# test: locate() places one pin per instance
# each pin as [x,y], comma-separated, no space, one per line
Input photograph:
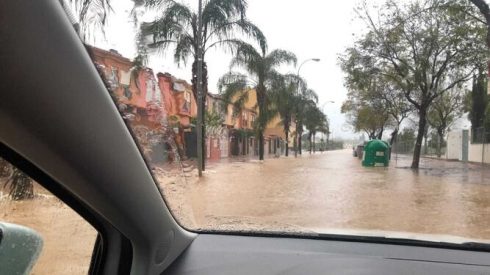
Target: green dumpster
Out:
[376,153]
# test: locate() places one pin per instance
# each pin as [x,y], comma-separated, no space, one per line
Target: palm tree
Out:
[306,97]
[288,100]
[261,76]
[223,21]
[91,15]
[315,121]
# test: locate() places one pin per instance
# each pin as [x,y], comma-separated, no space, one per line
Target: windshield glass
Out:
[355,117]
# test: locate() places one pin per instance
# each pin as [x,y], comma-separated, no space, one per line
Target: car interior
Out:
[60,126]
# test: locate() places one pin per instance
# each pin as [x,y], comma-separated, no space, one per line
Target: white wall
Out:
[475,152]
[455,145]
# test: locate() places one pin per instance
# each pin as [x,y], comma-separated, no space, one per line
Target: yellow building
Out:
[275,128]
[242,138]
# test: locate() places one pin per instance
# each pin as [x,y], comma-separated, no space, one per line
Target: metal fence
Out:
[480,135]
[427,149]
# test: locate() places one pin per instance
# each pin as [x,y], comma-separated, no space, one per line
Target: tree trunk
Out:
[300,139]
[295,143]
[309,139]
[440,135]
[261,145]
[203,109]
[485,10]
[262,121]
[420,137]
[287,120]
[394,136]
[372,135]
[287,142]
[20,186]
[5,168]
[203,106]
[314,142]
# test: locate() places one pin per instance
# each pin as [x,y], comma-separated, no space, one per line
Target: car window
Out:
[68,239]
[360,117]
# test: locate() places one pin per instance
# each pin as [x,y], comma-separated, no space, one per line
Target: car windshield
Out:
[366,118]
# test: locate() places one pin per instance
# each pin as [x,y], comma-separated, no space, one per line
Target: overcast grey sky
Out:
[309,28]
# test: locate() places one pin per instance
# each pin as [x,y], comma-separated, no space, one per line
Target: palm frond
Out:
[247,57]
[92,16]
[233,88]
[280,57]
[228,29]
[165,27]
[274,79]
[232,83]
[215,9]
[183,49]
[178,12]
[310,95]
[95,9]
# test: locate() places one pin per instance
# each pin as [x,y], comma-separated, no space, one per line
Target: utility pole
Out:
[200,140]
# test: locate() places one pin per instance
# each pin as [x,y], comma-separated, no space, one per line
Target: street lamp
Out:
[326,102]
[296,140]
[307,60]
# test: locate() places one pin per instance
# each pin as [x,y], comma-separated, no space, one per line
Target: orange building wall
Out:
[175,100]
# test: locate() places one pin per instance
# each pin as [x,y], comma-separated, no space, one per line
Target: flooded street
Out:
[65,234]
[332,191]
[320,193]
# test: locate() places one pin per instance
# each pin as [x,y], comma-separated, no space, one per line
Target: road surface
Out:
[332,191]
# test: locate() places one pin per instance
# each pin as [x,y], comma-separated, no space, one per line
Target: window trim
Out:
[105,231]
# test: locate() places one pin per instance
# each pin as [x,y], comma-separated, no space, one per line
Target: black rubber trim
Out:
[96,261]
[100,253]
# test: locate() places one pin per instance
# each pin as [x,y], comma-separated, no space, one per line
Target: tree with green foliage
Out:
[304,97]
[315,121]
[366,118]
[485,11]
[283,97]
[406,140]
[425,47]
[224,22]
[261,76]
[371,93]
[478,100]
[288,100]
[214,123]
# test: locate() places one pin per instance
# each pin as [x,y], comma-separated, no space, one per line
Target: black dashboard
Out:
[225,254]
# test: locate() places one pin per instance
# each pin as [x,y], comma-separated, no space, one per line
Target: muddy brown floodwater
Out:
[68,240]
[332,191]
[323,193]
